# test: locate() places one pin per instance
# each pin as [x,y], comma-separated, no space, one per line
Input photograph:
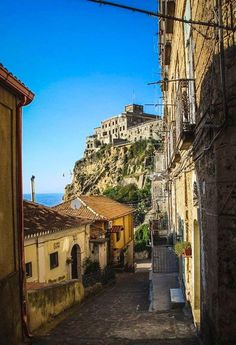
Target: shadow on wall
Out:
[215,154]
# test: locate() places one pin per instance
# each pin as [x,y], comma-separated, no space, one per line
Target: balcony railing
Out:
[185,114]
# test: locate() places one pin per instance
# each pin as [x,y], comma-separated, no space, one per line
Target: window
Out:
[53,260]
[117,236]
[28,269]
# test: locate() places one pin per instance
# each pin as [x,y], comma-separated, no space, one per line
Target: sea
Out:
[47,199]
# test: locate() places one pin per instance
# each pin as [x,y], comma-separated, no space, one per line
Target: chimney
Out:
[32,188]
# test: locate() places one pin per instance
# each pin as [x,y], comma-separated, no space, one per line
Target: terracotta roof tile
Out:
[14,83]
[106,207]
[95,207]
[82,212]
[39,219]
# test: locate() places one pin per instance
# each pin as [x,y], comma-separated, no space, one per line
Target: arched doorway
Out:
[197,273]
[76,262]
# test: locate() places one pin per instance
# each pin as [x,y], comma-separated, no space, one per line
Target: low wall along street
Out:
[47,302]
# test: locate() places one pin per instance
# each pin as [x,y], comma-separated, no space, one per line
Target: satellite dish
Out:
[75,204]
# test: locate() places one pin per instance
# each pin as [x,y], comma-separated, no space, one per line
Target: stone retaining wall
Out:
[47,302]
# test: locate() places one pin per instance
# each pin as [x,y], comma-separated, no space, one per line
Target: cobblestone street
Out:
[119,315]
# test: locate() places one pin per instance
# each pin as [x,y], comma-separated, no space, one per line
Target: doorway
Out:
[197,273]
[76,262]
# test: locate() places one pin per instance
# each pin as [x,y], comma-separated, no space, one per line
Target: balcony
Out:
[168,7]
[185,115]
[174,155]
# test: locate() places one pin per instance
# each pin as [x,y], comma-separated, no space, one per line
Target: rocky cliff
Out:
[112,166]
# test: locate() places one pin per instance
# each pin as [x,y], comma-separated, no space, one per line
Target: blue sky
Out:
[84,62]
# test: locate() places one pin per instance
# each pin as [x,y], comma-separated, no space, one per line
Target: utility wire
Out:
[165,16]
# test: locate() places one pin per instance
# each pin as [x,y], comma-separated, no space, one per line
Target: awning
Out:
[116,228]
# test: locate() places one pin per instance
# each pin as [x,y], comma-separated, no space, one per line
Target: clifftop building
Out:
[131,125]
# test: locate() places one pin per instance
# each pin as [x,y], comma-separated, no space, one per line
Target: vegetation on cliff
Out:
[130,194]
[113,166]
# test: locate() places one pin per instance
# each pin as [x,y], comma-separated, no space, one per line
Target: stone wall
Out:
[47,302]
[147,130]
[206,164]
[216,168]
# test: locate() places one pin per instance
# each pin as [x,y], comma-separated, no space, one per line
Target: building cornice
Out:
[17,87]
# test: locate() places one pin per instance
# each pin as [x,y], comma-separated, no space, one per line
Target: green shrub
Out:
[142,233]
[140,246]
[91,266]
[130,193]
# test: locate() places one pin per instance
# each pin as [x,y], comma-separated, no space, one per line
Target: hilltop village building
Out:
[199,81]
[130,126]
[13,96]
[112,229]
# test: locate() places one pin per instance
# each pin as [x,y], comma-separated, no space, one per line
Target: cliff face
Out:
[111,166]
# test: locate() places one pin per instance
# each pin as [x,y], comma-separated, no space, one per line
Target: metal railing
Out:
[185,108]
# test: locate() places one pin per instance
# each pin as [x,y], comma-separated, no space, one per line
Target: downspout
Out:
[222,60]
[20,219]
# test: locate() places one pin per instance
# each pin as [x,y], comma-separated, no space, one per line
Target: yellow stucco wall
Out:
[127,234]
[31,255]
[38,252]
[126,239]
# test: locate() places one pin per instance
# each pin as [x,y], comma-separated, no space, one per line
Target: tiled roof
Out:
[82,212]
[40,220]
[95,207]
[106,207]
[7,78]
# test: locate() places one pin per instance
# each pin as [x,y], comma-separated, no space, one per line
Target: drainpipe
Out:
[222,60]
[20,220]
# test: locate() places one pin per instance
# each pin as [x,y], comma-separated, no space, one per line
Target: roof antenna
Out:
[32,188]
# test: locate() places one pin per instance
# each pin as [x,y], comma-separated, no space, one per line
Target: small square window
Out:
[28,269]
[54,260]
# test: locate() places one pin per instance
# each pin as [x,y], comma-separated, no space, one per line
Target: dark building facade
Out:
[199,66]
[13,96]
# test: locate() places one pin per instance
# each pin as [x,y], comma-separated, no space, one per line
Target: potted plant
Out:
[69,261]
[183,248]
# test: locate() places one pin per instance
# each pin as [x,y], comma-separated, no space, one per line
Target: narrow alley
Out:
[120,315]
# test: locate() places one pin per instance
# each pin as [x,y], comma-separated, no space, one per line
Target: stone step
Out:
[177,298]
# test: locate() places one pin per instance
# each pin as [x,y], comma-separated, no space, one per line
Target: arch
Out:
[76,262]
[197,272]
